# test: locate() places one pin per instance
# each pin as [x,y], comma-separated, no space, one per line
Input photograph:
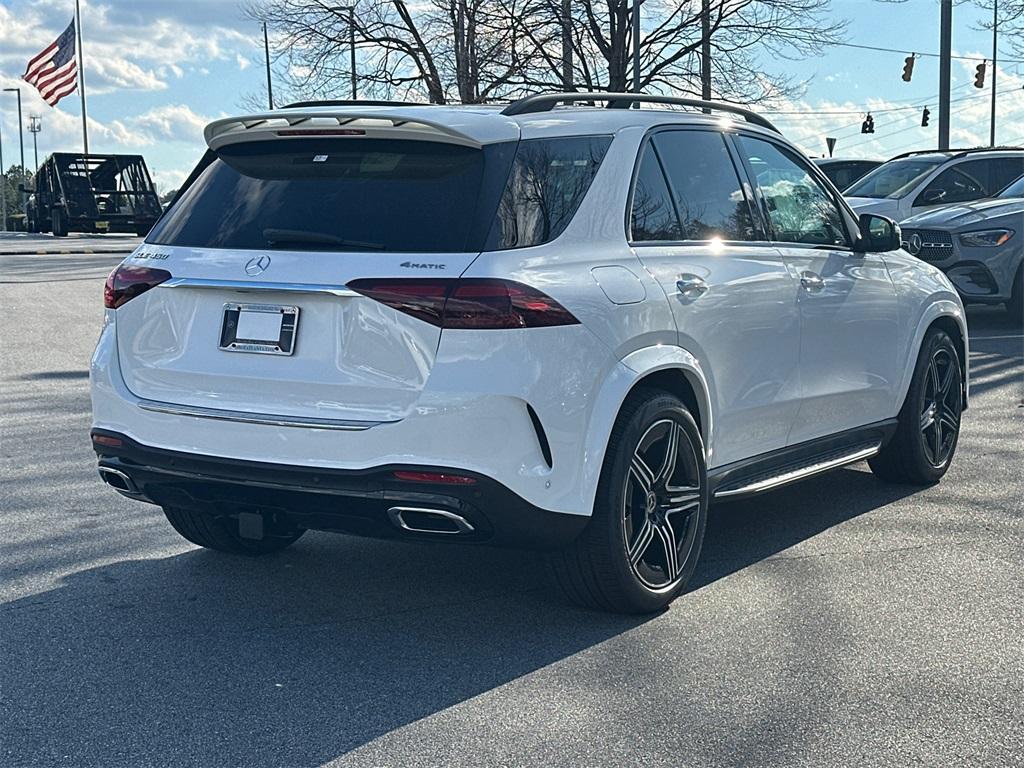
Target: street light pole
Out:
[636,46]
[266,54]
[21,128]
[35,125]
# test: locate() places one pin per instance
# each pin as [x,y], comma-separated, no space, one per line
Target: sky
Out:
[158,70]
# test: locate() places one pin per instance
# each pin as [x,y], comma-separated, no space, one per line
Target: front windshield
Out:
[895,178]
[1015,189]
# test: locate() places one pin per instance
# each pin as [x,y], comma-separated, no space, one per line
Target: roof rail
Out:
[353,103]
[544,102]
[956,152]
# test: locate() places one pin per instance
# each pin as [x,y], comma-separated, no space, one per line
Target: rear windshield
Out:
[361,194]
[382,195]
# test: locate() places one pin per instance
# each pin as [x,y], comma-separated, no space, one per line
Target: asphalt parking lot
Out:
[838,622]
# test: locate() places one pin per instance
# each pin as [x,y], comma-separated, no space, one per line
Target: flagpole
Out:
[81,77]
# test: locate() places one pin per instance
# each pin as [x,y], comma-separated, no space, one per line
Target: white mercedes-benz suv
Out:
[571,328]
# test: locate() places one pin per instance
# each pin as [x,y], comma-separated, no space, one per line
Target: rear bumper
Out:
[359,502]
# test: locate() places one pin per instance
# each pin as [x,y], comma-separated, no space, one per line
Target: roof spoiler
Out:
[302,123]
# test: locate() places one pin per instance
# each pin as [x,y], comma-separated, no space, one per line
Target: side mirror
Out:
[878,234]
[932,196]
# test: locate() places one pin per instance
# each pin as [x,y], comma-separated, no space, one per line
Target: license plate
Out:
[266,329]
[104,225]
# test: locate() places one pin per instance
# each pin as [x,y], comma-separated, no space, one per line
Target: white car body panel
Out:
[769,367]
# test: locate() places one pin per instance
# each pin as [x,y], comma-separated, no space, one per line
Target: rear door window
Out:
[547,183]
[705,186]
[341,194]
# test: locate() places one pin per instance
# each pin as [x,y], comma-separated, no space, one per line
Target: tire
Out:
[59,225]
[929,423]
[221,533]
[621,562]
[1015,306]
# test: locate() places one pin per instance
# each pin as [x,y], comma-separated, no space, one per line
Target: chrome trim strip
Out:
[800,474]
[463,525]
[255,285]
[246,417]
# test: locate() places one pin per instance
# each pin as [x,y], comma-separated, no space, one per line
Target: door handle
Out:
[691,286]
[811,282]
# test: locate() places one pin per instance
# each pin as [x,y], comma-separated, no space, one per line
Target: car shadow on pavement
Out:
[300,657]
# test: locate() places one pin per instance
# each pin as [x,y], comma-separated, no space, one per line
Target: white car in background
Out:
[918,181]
[570,328]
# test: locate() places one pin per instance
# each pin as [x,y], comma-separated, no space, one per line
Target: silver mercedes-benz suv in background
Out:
[979,245]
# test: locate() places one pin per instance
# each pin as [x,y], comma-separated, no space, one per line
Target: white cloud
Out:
[173,122]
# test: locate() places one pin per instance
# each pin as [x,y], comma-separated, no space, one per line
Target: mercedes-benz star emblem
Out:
[257,265]
[914,245]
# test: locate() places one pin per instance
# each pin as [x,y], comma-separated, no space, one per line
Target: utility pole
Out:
[705,50]
[266,58]
[567,46]
[35,125]
[995,53]
[3,186]
[351,11]
[945,59]
[636,46]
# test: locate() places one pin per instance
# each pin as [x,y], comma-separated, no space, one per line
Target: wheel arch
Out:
[949,317]
[667,367]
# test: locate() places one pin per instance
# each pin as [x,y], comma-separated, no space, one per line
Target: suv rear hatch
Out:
[266,235]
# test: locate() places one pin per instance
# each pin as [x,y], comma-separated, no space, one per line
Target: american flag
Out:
[54,72]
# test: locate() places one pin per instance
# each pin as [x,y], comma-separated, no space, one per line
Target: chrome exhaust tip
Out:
[424,520]
[118,480]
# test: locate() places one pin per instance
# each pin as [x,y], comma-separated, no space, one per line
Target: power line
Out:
[919,53]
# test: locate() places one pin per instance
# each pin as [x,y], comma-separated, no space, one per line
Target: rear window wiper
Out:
[280,237]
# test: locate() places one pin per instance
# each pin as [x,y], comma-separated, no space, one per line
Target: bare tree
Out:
[441,50]
[473,51]
[742,33]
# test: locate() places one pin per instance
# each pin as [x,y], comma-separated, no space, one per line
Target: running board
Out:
[792,475]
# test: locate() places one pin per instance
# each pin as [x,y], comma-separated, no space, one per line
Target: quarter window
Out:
[705,187]
[799,208]
[653,215]
[548,181]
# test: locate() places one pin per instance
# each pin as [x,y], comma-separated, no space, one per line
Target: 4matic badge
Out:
[415,265]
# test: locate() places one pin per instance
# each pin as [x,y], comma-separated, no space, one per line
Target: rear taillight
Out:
[127,281]
[474,303]
[440,478]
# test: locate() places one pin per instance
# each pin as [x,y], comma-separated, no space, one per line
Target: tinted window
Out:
[958,184]
[844,174]
[705,187]
[653,216]
[1003,170]
[798,206]
[547,183]
[895,178]
[340,194]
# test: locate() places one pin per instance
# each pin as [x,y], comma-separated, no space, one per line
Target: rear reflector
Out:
[128,281]
[471,304]
[110,442]
[441,478]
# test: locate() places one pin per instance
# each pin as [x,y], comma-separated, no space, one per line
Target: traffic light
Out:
[924,117]
[868,126]
[908,68]
[979,75]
